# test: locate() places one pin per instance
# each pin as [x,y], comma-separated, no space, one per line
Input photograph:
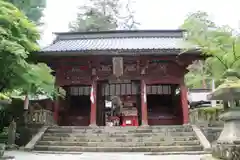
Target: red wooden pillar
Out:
[184,101]
[144,103]
[93,114]
[56,109]
[56,101]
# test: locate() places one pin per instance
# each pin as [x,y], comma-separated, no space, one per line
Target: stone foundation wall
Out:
[212,133]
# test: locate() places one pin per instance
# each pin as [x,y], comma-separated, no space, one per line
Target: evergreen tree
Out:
[33,9]
[102,15]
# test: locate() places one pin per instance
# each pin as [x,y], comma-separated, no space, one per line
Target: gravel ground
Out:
[98,156]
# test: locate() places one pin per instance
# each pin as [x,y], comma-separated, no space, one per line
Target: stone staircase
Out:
[119,139]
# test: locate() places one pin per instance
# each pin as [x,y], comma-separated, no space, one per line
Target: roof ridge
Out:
[143,34]
[131,37]
[124,31]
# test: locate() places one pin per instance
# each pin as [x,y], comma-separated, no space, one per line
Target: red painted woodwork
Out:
[144,103]
[133,119]
[93,114]
[48,104]
[169,70]
[56,109]
[166,80]
[74,71]
[183,92]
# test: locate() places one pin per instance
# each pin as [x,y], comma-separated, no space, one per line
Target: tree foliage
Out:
[220,43]
[18,39]
[197,76]
[102,15]
[33,9]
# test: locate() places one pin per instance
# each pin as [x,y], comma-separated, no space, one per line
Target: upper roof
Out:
[119,41]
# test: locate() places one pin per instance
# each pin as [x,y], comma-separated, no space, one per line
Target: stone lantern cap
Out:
[229,90]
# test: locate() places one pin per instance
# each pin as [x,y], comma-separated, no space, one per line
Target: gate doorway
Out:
[127,91]
[164,104]
[77,105]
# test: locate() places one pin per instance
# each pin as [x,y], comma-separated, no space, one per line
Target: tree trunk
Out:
[204,85]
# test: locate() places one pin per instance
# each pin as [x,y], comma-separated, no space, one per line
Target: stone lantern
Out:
[227,146]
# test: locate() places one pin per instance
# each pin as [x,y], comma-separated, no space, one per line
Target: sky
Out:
[151,14]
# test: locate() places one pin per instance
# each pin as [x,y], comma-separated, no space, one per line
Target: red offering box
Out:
[130,121]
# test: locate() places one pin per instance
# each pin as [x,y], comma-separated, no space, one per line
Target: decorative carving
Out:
[105,68]
[94,72]
[75,75]
[143,72]
[158,68]
[163,68]
[131,68]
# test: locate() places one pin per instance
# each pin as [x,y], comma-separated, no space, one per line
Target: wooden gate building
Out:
[144,67]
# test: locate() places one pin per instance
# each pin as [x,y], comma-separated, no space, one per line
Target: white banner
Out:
[26,102]
[144,93]
[92,95]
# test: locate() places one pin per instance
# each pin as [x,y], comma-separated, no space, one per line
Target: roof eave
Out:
[117,52]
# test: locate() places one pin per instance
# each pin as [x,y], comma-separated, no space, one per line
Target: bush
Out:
[14,110]
[210,110]
[4,136]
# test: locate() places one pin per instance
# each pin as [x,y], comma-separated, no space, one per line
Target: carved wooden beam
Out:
[138,65]
[146,64]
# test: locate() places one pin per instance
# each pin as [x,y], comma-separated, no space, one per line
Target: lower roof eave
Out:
[162,52]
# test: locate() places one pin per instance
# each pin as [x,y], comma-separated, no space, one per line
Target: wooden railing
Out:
[44,117]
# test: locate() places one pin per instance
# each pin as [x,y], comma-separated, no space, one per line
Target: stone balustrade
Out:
[208,116]
[40,117]
[208,120]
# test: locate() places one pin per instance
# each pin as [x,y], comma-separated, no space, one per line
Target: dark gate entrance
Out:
[76,106]
[128,91]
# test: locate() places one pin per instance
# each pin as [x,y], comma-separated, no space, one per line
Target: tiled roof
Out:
[117,41]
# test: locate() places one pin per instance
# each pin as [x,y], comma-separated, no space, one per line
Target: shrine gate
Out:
[145,68]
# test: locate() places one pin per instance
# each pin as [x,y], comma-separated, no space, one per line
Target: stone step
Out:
[171,134]
[125,127]
[118,130]
[117,149]
[119,139]
[119,144]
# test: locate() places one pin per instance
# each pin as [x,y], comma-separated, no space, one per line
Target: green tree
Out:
[197,76]
[220,43]
[18,39]
[102,15]
[33,9]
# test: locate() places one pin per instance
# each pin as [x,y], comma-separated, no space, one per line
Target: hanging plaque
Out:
[117,66]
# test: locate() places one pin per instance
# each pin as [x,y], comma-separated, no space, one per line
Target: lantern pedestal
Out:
[228,144]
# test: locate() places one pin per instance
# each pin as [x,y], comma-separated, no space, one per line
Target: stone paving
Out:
[99,156]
